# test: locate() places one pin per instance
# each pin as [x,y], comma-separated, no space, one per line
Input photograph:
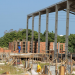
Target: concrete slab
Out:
[2,63]
[34,67]
[52,69]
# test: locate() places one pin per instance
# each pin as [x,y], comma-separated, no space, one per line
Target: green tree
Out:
[61,39]
[21,34]
[72,42]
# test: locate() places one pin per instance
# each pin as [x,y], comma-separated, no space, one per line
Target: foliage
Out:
[70,49]
[21,34]
[72,43]
[61,39]
[61,46]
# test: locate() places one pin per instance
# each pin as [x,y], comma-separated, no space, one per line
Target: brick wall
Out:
[6,51]
[1,50]
[42,46]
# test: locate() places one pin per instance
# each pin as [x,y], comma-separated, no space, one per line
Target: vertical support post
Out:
[39,32]
[58,46]
[27,35]
[56,67]
[71,63]
[32,33]
[16,61]
[20,60]
[67,29]
[56,25]
[47,18]
[52,57]
[61,56]
[25,65]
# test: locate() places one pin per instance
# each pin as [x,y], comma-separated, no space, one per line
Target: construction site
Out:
[40,58]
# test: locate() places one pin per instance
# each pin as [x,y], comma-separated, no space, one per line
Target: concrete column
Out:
[47,18]
[56,25]
[32,33]
[27,35]
[39,32]
[58,46]
[67,28]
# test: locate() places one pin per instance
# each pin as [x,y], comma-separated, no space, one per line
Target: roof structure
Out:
[66,5]
[62,6]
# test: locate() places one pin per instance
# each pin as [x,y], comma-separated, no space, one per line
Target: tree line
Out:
[21,34]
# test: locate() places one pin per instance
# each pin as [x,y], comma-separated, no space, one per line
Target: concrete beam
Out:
[47,19]
[39,29]
[32,34]
[67,28]
[56,26]
[27,35]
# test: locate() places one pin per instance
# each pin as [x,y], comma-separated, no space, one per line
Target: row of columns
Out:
[56,28]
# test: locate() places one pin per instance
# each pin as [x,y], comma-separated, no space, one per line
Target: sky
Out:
[13,15]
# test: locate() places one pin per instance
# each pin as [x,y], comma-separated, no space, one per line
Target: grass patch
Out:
[23,62]
[11,69]
[40,63]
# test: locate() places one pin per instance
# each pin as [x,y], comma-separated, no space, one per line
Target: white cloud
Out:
[60,35]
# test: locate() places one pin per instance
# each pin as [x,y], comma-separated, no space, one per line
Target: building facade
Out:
[13,46]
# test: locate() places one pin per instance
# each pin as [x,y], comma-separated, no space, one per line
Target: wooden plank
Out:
[13,62]
[27,53]
[62,70]
[16,61]
[47,50]
[56,67]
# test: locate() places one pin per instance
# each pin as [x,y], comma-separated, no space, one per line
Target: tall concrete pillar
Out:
[56,26]
[58,46]
[47,18]
[67,28]
[39,32]
[27,35]
[32,33]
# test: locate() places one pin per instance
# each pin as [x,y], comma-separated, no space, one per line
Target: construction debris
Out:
[34,66]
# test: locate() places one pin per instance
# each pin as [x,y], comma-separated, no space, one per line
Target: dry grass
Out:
[11,69]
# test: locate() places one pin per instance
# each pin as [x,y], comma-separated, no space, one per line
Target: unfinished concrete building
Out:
[28,47]
[66,5]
